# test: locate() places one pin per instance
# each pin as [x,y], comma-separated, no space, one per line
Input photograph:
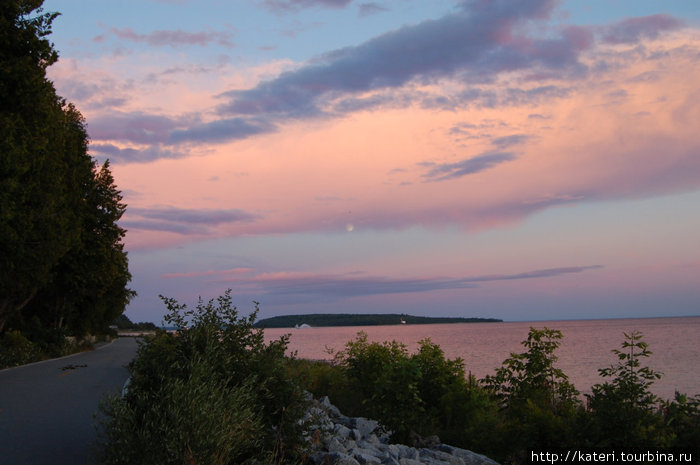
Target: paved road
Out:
[47,410]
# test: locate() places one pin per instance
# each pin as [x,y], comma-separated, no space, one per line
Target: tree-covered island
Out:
[352,319]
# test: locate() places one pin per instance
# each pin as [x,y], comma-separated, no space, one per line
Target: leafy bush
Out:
[387,378]
[540,408]
[323,378]
[624,411]
[215,389]
[682,416]
[50,341]
[15,350]
[422,393]
[197,420]
[531,375]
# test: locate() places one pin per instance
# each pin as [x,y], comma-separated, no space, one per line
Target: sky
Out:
[514,159]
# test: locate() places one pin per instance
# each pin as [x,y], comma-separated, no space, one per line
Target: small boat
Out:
[403,322]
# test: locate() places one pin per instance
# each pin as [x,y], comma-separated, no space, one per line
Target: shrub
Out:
[682,417]
[624,411]
[323,378]
[195,420]
[422,393]
[387,380]
[532,376]
[249,407]
[15,350]
[539,407]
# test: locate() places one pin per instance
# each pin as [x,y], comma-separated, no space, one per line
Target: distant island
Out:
[347,319]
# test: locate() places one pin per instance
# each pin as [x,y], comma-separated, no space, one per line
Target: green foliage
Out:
[528,404]
[89,287]
[631,381]
[387,379]
[539,406]
[123,322]
[15,349]
[322,378]
[531,375]
[49,340]
[198,419]
[422,393]
[61,257]
[36,221]
[682,417]
[624,411]
[214,355]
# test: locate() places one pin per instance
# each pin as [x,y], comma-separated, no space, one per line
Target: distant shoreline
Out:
[351,319]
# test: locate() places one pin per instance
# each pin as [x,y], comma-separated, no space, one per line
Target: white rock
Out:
[366,459]
[409,462]
[441,456]
[335,446]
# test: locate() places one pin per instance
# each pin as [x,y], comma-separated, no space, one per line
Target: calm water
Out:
[586,347]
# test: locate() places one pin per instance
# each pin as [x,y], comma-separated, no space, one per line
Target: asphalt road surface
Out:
[48,410]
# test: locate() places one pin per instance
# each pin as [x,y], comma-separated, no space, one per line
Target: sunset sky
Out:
[523,160]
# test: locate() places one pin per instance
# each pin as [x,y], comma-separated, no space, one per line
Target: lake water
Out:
[587,346]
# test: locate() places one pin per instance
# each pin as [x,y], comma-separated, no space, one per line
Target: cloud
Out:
[335,286]
[136,127]
[475,44]
[384,100]
[471,46]
[90,89]
[447,171]
[163,226]
[518,96]
[171,38]
[508,141]
[156,133]
[355,284]
[182,220]
[195,274]
[633,30]
[222,130]
[290,6]
[370,8]
[135,155]
[545,273]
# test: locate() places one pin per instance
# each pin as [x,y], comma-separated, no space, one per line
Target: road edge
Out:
[98,347]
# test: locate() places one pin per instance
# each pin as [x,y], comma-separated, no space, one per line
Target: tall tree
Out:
[89,289]
[58,212]
[36,225]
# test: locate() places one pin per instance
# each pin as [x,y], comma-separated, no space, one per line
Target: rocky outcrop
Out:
[341,440]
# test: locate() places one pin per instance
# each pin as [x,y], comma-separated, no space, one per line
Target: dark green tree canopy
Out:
[59,238]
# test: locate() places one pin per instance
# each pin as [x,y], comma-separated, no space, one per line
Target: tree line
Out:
[63,267]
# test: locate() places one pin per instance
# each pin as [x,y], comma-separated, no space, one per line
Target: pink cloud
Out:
[503,149]
[171,38]
[288,6]
[355,284]
[194,274]
[632,30]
